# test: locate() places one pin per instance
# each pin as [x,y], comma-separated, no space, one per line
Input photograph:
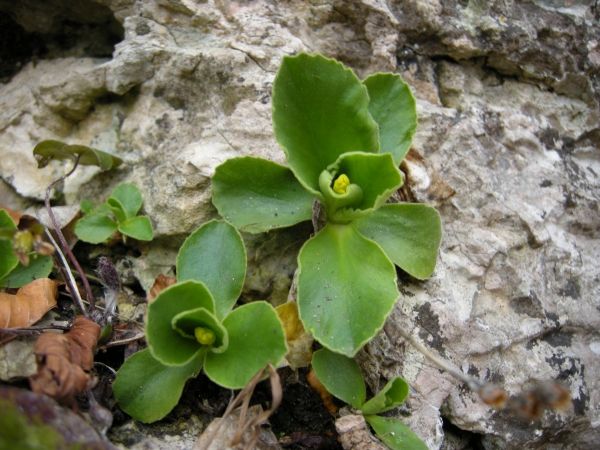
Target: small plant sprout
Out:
[123,204]
[343,140]
[191,326]
[341,376]
[46,151]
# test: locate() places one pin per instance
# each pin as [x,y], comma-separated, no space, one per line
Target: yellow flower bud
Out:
[23,241]
[205,336]
[340,186]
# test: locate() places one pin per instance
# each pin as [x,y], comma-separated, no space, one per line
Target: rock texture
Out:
[507,94]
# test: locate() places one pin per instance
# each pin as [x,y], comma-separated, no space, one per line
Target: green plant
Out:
[124,203]
[191,326]
[342,377]
[49,150]
[343,141]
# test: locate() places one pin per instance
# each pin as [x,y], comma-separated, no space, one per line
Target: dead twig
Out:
[243,398]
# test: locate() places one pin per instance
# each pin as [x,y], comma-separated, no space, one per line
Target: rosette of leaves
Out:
[191,326]
[342,377]
[123,204]
[343,140]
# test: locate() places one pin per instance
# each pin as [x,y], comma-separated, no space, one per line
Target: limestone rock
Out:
[507,95]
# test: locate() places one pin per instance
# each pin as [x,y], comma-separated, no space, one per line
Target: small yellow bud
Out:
[205,336]
[23,241]
[340,186]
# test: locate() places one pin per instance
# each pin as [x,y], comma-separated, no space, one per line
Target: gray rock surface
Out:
[507,94]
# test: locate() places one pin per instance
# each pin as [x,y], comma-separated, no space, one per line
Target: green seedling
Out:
[342,377]
[123,204]
[343,140]
[191,326]
[23,258]
[46,151]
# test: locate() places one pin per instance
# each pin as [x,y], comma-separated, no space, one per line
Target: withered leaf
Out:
[65,360]
[326,397]
[299,341]
[29,304]
[161,282]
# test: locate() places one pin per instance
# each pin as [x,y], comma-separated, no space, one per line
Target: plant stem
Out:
[472,383]
[63,241]
[68,276]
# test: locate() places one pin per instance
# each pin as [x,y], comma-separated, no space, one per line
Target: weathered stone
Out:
[507,95]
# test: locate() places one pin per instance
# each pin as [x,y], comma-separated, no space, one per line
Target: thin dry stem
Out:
[63,241]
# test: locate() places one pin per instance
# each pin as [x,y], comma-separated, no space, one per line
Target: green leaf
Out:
[117,209]
[257,195]
[139,228]
[395,434]
[166,344]
[129,197]
[256,337]
[409,233]
[95,228]
[186,323]
[393,107]
[8,260]
[86,206]
[320,111]
[46,151]
[393,394]
[346,288]
[39,267]
[341,376]
[147,390]
[215,255]
[376,175]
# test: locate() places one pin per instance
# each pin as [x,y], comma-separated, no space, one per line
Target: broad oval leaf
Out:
[95,228]
[392,395]
[8,260]
[166,344]
[139,228]
[409,234]
[148,390]
[215,255]
[341,376]
[346,288]
[256,338]
[129,197]
[39,267]
[257,195]
[393,107]
[320,110]
[46,151]
[395,434]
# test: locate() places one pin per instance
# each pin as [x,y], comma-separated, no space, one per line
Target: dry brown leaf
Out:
[161,282]
[65,360]
[326,397]
[299,341]
[29,304]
